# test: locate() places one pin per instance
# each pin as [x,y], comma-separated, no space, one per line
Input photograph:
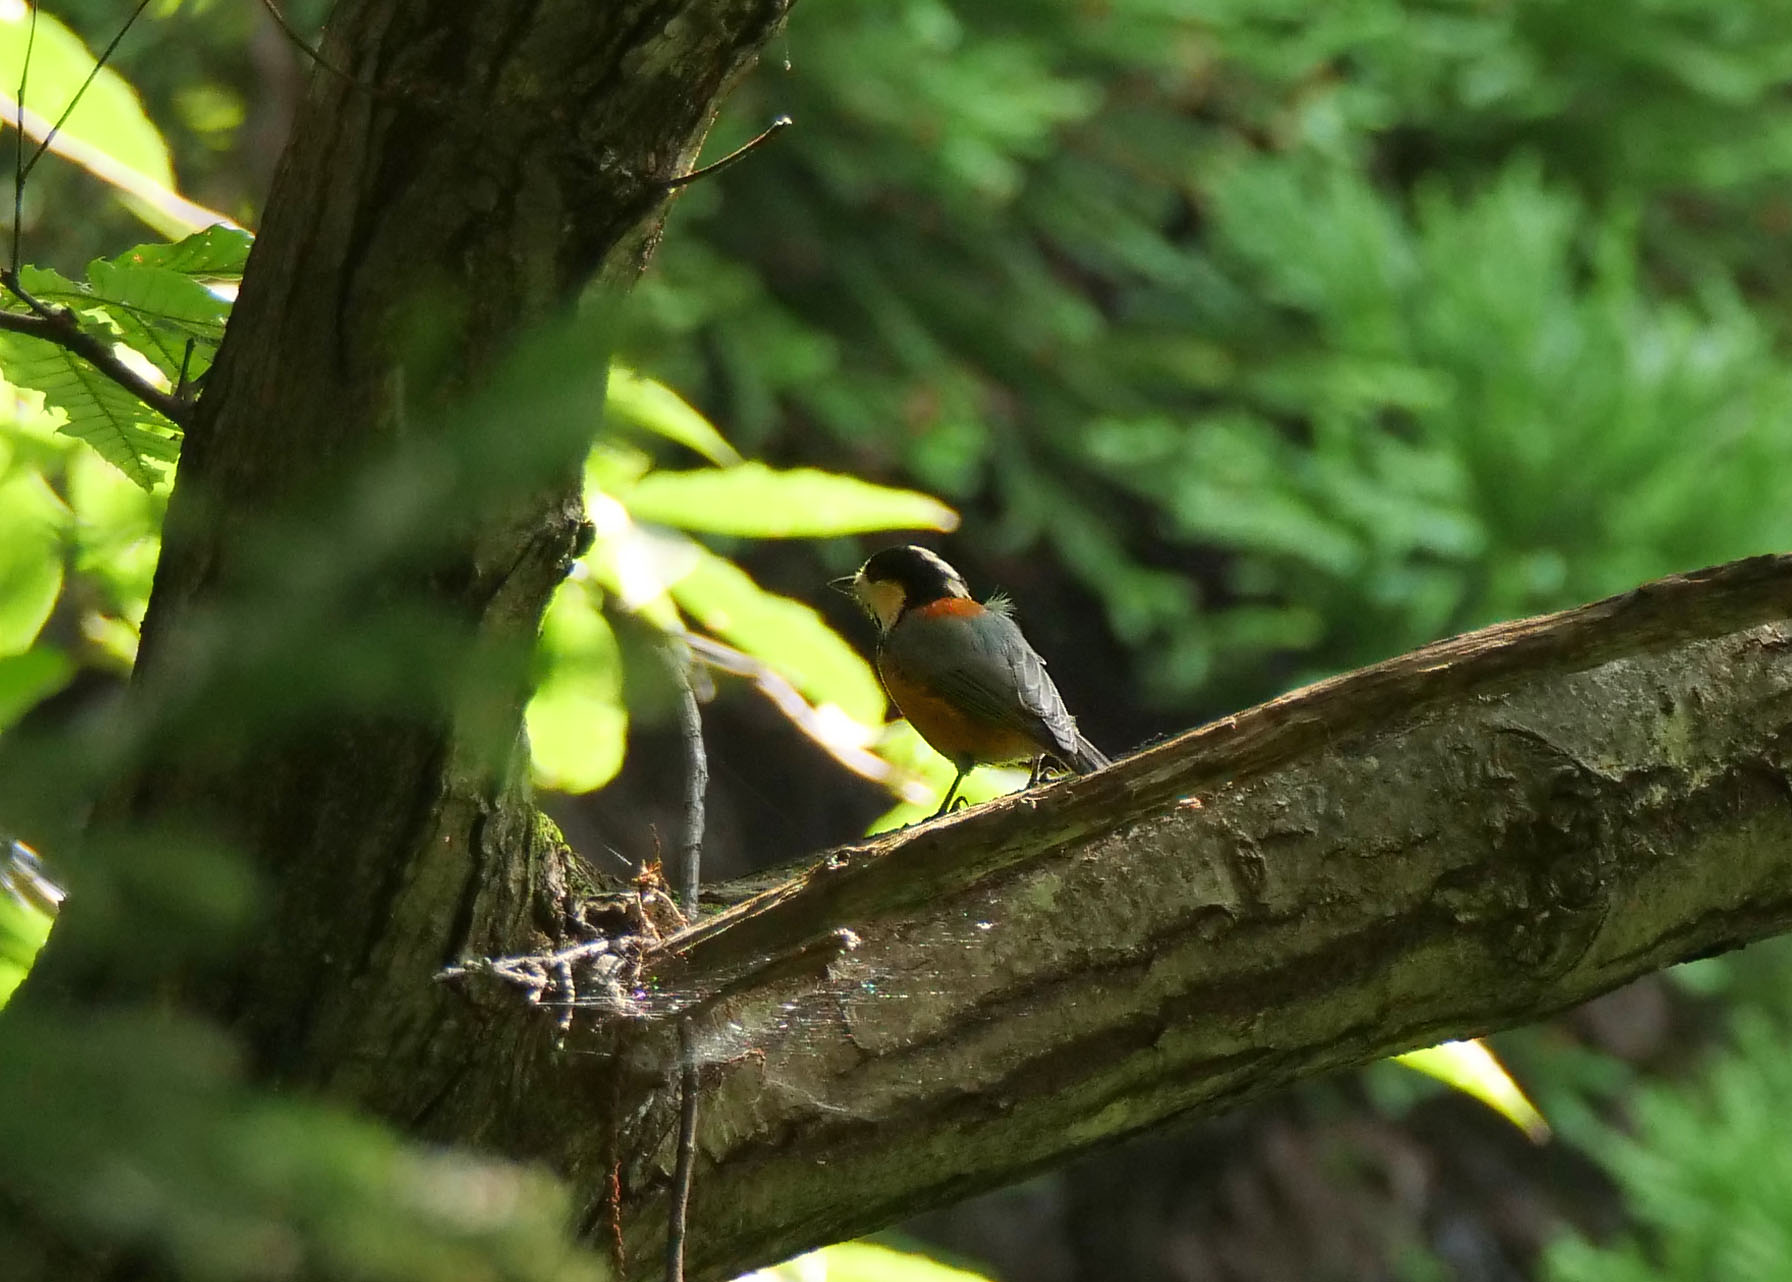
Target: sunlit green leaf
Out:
[654,407]
[30,558]
[109,115]
[578,724]
[786,635]
[28,678]
[158,311]
[116,534]
[127,433]
[217,253]
[23,929]
[863,1262]
[1472,1068]
[636,566]
[757,501]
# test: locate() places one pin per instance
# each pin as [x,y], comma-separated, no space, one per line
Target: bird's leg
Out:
[1038,771]
[952,791]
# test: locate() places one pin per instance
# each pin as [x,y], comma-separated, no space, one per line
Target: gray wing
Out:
[986,667]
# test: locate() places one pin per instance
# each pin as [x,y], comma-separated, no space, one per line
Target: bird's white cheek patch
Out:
[882,600]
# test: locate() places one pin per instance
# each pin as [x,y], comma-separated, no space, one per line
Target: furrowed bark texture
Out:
[1468,837]
[486,164]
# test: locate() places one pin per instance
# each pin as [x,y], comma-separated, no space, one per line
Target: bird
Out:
[960,670]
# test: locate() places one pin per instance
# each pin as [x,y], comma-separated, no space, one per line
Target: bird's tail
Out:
[1086,757]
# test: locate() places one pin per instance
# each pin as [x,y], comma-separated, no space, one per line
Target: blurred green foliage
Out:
[1706,1170]
[1298,332]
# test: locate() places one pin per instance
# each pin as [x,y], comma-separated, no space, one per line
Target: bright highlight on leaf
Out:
[643,564]
[862,1262]
[654,407]
[1472,1068]
[109,116]
[107,134]
[30,557]
[760,502]
[786,635]
[578,723]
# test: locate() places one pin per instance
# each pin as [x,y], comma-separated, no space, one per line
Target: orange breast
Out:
[950,732]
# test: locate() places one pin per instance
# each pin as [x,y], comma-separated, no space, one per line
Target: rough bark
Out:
[486,163]
[1470,836]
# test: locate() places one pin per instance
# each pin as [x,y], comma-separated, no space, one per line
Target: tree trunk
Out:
[1471,836]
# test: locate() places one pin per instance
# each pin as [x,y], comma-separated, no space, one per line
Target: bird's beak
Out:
[844,583]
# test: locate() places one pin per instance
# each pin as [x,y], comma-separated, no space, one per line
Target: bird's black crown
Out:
[921,574]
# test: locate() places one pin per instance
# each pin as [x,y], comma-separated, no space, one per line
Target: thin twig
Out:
[807,718]
[18,153]
[771,131]
[98,66]
[690,725]
[680,1196]
[58,325]
[170,204]
[186,362]
[298,42]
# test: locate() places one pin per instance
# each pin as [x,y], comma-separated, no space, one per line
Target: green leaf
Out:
[785,635]
[126,432]
[862,1262]
[29,678]
[30,558]
[217,253]
[157,311]
[578,723]
[23,929]
[762,502]
[109,116]
[654,407]
[1472,1068]
[217,1175]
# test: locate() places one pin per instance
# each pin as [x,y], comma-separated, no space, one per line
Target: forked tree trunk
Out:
[1468,837]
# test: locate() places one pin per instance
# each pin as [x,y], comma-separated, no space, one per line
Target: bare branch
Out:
[60,326]
[298,42]
[771,131]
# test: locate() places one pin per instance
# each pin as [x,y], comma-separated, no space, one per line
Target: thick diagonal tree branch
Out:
[1468,837]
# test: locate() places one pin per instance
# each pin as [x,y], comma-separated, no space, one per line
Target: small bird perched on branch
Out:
[961,671]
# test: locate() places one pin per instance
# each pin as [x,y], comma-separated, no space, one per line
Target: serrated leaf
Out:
[157,311]
[1473,1069]
[787,636]
[125,432]
[757,501]
[654,407]
[48,285]
[217,253]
